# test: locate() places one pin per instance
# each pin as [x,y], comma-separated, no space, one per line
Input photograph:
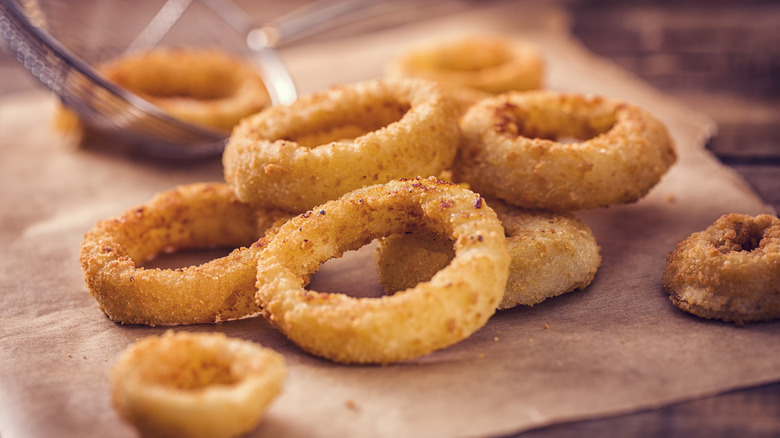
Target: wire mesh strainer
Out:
[59,43]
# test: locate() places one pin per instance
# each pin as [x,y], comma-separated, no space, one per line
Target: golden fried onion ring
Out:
[551,254]
[489,63]
[324,145]
[187,217]
[450,307]
[206,87]
[513,149]
[196,385]
[730,271]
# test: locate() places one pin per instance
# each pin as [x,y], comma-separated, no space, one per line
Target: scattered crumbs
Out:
[70,355]
[84,357]
[495,338]
[481,356]
[546,327]
[670,198]
[530,340]
[622,341]
[351,405]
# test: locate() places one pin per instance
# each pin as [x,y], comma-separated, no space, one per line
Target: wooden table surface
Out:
[722,59]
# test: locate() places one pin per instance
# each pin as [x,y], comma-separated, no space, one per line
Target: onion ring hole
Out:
[348,126]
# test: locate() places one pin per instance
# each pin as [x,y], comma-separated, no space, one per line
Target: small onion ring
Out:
[323,145]
[730,271]
[552,254]
[196,385]
[206,87]
[202,215]
[511,150]
[450,307]
[489,63]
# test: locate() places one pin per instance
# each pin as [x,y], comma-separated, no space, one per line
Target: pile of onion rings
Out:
[194,216]
[551,254]
[326,144]
[512,149]
[196,385]
[331,173]
[457,301]
[730,271]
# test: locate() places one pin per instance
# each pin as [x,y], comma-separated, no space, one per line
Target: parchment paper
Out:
[618,346]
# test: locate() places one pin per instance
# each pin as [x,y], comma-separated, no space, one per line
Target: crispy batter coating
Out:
[492,64]
[202,215]
[730,271]
[456,302]
[551,254]
[515,148]
[196,385]
[326,144]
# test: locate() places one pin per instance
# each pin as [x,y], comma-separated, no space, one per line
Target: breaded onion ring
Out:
[326,144]
[196,385]
[489,63]
[206,87]
[187,217]
[456,302]
[513,149]
[730,271]
[551,254]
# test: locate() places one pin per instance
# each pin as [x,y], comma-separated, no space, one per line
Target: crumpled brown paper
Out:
[616,347]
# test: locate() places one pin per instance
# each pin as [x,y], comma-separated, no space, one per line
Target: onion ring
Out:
[206,87]
[511,150]
[730,271]
[450,307]
[323,145]
[551,254]
[489,63]
[196,384]
[191,216]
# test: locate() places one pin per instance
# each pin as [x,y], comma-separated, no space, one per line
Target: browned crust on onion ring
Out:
[730,271]
[202,215]
[551,254]
[456,302]
[196,385]
[326,144]
[512,150]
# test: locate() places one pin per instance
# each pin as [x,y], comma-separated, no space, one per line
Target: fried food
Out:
[196,216]
[515,147]
[206,87]
[551,254]
[456,302]
[196,385]
[488,64]
[326,144]
[730,271]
